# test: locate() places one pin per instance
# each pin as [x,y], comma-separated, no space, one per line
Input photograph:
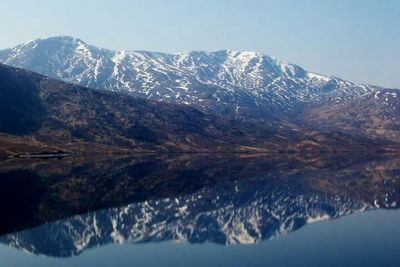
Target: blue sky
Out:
[358,40]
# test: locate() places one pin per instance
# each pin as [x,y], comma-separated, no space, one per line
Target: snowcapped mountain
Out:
[236,83]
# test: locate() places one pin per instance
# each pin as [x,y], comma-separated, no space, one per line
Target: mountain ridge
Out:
[240,101]
[241,84]
[49,115]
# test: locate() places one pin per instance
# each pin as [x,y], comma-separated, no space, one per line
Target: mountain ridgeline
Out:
[94,100]
[240,84]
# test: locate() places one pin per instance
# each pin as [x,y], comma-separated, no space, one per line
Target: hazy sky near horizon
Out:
[358,40]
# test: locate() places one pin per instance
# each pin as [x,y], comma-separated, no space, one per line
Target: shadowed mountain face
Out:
[21,110]
[193,199]
[41,115]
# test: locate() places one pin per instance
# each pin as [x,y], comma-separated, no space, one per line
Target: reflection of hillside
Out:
[204,198]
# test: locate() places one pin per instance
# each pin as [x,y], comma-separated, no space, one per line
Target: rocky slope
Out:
[375,115]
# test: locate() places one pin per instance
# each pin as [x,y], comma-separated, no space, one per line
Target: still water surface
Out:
[201,211]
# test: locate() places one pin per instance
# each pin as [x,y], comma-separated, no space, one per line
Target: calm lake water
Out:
[203,210]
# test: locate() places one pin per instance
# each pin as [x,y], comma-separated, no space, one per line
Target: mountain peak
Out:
[60,38]
[52,40]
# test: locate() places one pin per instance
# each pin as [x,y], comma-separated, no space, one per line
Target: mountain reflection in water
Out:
[62,207]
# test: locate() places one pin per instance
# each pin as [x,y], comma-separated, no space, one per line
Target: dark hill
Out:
[39,114]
